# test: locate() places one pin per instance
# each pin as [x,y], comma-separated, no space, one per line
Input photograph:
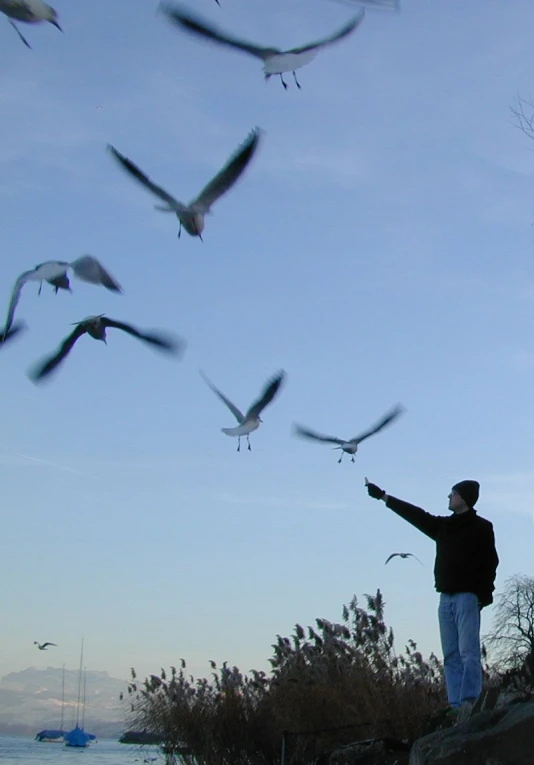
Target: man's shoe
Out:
[464,712]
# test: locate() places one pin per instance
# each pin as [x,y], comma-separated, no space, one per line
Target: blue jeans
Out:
[459,626]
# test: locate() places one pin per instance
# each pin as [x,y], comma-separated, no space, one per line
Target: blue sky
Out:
[379,249]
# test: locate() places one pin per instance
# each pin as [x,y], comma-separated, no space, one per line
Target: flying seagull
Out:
[42,646]
[30,11]
[86,268]
[251,420]
[402,555]
[351,446]
[95,327]
[275,61]
[191,216]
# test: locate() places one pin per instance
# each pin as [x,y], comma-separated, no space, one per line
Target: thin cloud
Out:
[510,492]
[280,502]
[17,458]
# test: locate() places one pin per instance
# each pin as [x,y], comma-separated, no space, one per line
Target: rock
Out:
[386,751]
[503,736]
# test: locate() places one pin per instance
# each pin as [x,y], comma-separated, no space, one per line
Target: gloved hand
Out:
[374,491]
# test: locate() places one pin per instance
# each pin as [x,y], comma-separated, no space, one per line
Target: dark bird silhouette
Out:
[43,646]
[351,446]
[402,555]
[275,61]
[95,327]
[191,216]
[250,421]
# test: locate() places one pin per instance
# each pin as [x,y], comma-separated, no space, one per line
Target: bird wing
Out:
[238,414]
[51,362]
[91,270]
[45,644]
[393,555]
[15,297]
[386,420]
[415,556]
[195,24]
[307,433]
[345,30]
[229,174]
[8,334]
[157,339]
[267,396]
[138,174]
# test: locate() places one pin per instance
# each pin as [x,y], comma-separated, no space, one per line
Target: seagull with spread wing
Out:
[191,216]
[95,327]
[86,268]
[351,446]
[402,555]
[43,646]
[251,420]
[29,11]
[275,61]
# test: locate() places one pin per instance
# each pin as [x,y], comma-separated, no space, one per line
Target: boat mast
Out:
[84,686]
[79,687]
[62,699]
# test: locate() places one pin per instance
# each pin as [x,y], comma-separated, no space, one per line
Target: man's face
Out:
[456,503]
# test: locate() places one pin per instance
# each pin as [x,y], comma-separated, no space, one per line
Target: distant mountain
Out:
[31,700]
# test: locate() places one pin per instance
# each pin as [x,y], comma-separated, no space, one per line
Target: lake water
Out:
[26,751]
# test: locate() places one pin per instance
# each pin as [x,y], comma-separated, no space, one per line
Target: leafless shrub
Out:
[328,685]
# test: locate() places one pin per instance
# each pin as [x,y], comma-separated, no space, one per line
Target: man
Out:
[464,572]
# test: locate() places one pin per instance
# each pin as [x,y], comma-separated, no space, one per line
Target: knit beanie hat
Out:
[468,491]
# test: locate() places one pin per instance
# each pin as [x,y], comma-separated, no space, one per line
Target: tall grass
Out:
[328,685]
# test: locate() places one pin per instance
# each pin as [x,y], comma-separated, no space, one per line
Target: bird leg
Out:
[352,459]
[283,82]
[40,288]
[26,43]
[297,83]
[248,442]
[239,443]
[180,230]
[341,457]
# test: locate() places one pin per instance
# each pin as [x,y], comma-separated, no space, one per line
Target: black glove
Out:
[375,491]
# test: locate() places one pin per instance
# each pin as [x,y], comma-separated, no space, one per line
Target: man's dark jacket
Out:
[466,558]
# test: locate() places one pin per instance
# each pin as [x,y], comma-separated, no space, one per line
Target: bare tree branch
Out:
[523,116]
[512,633]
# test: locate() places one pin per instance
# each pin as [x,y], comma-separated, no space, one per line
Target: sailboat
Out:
[77,736]
[52,735]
